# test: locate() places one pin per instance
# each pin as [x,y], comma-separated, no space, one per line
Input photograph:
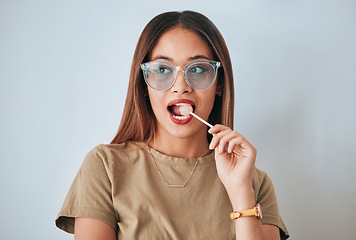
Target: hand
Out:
[235,157]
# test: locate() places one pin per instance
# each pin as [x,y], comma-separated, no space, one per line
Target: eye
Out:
[197,69]
[162,70]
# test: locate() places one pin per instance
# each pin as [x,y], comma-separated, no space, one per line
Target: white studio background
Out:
[64,68]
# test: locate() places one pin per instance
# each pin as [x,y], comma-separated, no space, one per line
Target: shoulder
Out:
[108,159]
[109,154]
[262,184]
[259,177]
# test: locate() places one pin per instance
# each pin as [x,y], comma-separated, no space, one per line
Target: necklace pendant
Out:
[175,186]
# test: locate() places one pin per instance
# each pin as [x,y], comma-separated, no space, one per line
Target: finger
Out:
[235,143]
[226,139]
[243,147]
[217,128]
[216,138]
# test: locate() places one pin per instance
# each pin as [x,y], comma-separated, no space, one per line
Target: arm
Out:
[93,229]
[235,160]
[271,232]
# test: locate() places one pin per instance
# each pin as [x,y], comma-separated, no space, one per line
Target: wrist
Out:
[256,211]
[242,198]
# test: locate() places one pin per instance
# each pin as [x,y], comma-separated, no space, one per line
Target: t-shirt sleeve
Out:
[267,199]
[90,194]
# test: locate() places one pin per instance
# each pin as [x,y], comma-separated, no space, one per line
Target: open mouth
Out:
[178,111]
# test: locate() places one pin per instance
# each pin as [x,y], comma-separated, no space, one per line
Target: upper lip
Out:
[176,101]
[187,101]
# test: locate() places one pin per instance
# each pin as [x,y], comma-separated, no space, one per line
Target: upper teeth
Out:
[181,117]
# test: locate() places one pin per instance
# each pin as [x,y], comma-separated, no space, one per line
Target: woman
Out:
[166,175]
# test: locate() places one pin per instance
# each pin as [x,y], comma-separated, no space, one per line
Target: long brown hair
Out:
[138,121]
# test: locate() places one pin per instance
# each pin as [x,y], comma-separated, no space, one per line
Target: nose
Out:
[180,85]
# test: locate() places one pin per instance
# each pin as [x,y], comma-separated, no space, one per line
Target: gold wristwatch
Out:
[256,211]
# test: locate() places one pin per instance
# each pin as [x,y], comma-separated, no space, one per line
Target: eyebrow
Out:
[198,57]
[162,57]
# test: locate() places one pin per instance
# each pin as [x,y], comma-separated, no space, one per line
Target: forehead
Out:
[180,45]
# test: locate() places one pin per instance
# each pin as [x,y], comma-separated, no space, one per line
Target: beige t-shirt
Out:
[120,185]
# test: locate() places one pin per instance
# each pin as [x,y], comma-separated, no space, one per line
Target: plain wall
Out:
[64,68]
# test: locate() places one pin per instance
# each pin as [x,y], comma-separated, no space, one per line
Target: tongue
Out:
[181,110]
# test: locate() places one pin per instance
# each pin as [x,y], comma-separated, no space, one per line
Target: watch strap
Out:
[256,211]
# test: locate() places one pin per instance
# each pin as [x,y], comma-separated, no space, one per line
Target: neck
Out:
[192,147]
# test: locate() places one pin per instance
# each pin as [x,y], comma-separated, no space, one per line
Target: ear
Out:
[146,96]
[219,90]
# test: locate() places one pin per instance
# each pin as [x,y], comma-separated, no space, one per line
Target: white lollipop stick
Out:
[200,119]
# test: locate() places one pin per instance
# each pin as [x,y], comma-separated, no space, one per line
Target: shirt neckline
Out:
[163,158]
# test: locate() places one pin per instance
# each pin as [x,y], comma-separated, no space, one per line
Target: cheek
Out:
[207,99]
[156,100]
[210,96]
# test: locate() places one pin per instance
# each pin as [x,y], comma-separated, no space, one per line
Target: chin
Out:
[187,132]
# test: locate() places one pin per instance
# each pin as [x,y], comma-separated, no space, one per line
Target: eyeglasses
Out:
[162,75]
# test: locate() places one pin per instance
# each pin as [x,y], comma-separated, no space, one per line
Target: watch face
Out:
[259,211]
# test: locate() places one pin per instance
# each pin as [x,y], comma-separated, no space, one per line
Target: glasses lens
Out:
[200,75]
[160,76]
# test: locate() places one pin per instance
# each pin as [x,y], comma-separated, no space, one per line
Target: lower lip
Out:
[180,122]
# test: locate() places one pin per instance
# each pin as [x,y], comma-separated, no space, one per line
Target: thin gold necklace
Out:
[176,185]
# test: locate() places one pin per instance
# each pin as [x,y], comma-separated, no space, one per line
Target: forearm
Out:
[246,227]
[235,162]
